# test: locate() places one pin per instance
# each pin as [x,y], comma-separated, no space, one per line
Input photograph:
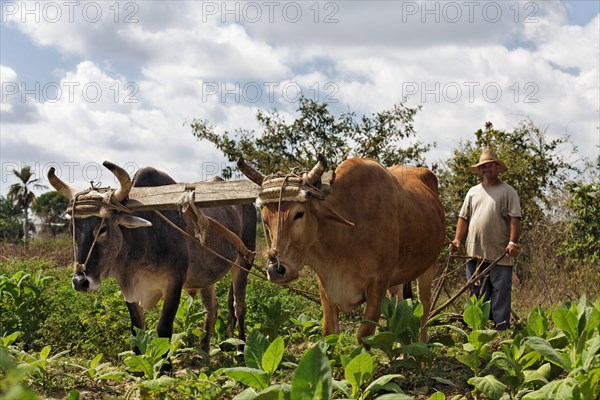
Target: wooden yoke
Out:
[203,224]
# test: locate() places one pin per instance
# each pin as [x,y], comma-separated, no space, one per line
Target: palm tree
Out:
[21,193]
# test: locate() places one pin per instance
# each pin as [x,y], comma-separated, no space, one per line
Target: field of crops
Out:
[59,344]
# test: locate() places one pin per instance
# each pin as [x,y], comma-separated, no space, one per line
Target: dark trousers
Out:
[496,287]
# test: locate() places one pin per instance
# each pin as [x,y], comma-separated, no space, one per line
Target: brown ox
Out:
[379,228]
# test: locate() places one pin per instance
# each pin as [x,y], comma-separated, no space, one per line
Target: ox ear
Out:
[324,211]
[132,222]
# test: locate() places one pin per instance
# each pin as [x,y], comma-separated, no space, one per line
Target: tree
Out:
[535,165]
[51,207]
[582,232]
[22,193]
[282,146]
[11,228]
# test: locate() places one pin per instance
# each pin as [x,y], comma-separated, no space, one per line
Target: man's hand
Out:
[512,249]
[455,244]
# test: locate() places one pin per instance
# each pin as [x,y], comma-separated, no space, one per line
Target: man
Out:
[491,215]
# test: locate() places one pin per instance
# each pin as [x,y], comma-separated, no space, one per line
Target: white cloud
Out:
[190,61]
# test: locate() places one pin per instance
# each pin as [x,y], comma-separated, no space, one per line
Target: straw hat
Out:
[488,156]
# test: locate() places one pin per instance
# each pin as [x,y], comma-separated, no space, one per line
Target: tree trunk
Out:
[25,226]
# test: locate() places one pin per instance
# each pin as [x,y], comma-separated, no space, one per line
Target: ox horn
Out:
[123,191]
[59,185]
[314,174]
[250,172]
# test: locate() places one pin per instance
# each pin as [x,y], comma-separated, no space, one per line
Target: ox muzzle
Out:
[275,269]
[81,282]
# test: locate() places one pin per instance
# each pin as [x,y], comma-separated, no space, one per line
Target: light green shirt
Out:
[488,211]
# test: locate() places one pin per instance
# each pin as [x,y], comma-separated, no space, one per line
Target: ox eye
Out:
[102,230]
[299,215]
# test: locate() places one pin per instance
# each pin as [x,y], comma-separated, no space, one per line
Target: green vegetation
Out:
[58,343]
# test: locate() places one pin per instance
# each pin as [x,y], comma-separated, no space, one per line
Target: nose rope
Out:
[279,224]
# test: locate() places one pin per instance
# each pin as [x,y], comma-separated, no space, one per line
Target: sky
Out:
[88,81]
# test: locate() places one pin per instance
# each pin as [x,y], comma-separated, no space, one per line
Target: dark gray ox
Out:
[152,260]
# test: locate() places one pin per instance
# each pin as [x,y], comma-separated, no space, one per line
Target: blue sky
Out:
[170,62]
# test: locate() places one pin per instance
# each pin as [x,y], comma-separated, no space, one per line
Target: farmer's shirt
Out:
[488,211]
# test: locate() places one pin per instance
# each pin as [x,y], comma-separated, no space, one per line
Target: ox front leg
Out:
[209,299]
[237,303]
[167,316]
[331,323]
[137,319]
[424,287]
[375,294]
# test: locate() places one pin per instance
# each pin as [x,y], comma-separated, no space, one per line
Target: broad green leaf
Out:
[137,363]
[159,347]
[438,396]
[256,345]
[566,321]
[73,395]
[359,370]
[394,396]
[473,316]
[342,387]
[275,392]
[536,324]
[545,349]
[558,389]
[529,359]
[273,355]
[593,348]
[489,385]
[312,379]
[534,378]
[382,340]
[112,376]
[415,349]
[252,377]
[45,352]
[248,394]
[381,383]
[158,384]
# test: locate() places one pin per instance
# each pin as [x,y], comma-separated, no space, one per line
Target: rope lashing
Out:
[85,204]
[203,224]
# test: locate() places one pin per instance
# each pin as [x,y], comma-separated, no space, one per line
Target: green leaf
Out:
[73,395]
[415,349]
[252,377]
[545,349]
[45,352]
[273,355]
[158,384]
[566,321]
[275,392]
[381,383]
[112,376]
[536,324]
[96,360]
[312,379]
[394,396]
[438,396]
[473,316]
[248,394]
[359,370]
[489,385]
[256,346]
[382,340]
